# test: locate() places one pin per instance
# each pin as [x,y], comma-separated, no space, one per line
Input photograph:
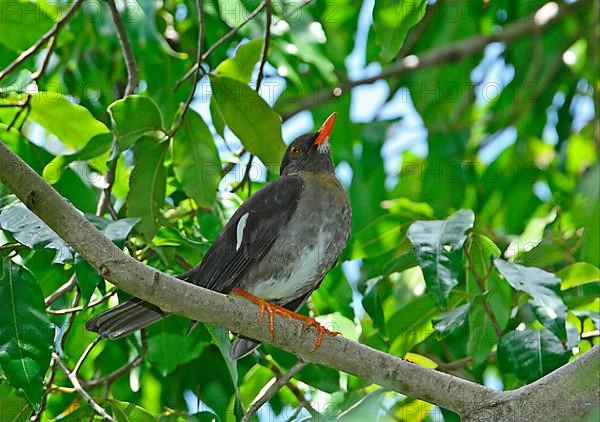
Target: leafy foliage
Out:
[470,158]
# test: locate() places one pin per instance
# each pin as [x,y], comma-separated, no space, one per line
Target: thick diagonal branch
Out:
[240,316]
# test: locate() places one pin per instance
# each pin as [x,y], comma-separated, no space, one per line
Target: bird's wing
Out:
[248,235]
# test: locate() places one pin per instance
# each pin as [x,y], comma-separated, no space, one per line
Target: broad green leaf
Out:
[448,322]
[87,279]
[117,231]
[14,407]
[25,332]
[438,246]
[372,303]
[241,65]
[531,354]
[196,160]
[129,412]
[412,324]
[22,23]
[216,117]
[544,288]
[133,117]
[337,322]
[413,411]
[30,231]
[71,123]
[170,345]
[368,408]
[482,334]
[578,274]
[250,118]
[220,338]
[420,360]
[392,20]
[98,145]
[147,185]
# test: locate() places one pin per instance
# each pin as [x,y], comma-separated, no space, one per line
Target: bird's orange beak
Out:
[325,130]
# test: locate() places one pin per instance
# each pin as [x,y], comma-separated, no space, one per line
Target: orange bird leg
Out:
[273,309]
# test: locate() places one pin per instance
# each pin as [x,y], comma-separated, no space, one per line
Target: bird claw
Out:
[272,309]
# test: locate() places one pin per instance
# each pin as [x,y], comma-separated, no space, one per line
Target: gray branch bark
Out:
[474,402]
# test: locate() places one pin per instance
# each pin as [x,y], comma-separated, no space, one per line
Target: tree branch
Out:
[53,32]
[279,382]
[237,315]
[446,54]
[130,64]
[77,385]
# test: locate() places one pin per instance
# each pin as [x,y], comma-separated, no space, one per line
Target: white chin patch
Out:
[324,147]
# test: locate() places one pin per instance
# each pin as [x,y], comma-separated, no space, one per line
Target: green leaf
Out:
[147,185]
[73,124]
[531,354]
[448,322]
[98,145]
[129,412]
[412,324]
[22,23]
[216,117]
[544,288]
[372,302]
[32,232]
[25,332]
[241,65]
[14,407]
[368,408]
[578,274]
[87,279]
[169,344]
[134,117]
[250,118]
[438,246]
[392,20]
[196,160]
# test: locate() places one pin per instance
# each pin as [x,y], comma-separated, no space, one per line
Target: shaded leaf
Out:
[578,274]
[544,288]
[87,279]
[531,354]
[30,231]
[25,332]
[250,118]
[448,322]
[170,345]
[147,185]
[438,246]
[133,117]
[196,160]
[411,324]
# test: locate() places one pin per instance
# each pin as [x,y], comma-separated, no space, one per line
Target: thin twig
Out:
[85,354]
[295,391]
[77,385]
[481,284]
[115,374]
[130,63]
[196,73]
[58,293]
[273,389]
[104,202]
[441,55]
[265,49]
[81,308]
[192,70]
[229,166]
[42,40]
[51,44]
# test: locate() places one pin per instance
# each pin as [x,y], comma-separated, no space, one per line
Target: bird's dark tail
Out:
[125,318]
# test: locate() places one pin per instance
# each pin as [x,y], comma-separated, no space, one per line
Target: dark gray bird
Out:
[275,250]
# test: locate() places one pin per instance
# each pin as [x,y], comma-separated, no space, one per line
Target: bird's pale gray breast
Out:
[309,245]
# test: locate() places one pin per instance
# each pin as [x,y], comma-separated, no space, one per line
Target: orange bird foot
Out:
[272,309]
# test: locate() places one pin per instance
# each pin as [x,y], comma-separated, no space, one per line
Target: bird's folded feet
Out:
[272,309]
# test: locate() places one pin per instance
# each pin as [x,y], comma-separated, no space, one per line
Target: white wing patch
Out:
[239,233]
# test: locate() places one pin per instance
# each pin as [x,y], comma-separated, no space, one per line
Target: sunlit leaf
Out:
[134,117]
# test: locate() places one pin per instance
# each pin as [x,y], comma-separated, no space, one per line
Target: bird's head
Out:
[310,152]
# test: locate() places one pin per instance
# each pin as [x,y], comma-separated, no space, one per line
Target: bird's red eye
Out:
[295,151]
